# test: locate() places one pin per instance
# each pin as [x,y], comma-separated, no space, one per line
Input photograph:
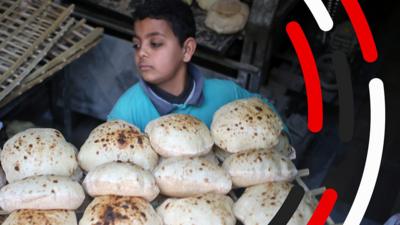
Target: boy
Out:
[164,43]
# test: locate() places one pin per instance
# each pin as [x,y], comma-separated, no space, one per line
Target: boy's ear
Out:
[189,47]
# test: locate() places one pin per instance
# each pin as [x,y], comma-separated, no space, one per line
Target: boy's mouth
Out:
[145,67]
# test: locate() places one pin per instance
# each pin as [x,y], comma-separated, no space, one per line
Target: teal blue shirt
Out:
[135,106]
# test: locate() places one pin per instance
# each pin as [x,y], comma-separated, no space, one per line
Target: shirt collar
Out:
[195,98]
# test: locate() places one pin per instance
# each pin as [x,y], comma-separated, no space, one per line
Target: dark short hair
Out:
[177,13]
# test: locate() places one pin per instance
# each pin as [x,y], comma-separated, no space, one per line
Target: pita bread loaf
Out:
[42,192]
[189,2]
[211,157]
[227,16]
[38,151]
[117,141]
[118,210]
[244,125]
[260,203]
[121,179]
[205,209]
[176,135]
[205,4]
[40,217]
[259,166]
[188,176]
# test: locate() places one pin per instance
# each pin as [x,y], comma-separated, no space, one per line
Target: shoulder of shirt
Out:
[134,91]
[219,82]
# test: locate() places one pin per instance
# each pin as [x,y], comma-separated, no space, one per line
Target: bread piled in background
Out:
[227,16]
[206,4]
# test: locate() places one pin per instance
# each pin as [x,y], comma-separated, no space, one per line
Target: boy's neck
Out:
[176,85]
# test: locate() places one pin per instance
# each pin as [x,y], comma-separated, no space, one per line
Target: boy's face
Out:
[158,55]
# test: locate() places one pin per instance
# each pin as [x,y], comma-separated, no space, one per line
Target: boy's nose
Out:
[142,52]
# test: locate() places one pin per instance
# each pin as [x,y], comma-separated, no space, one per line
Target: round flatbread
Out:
[205,209]
[188,176]
[117,141]
[118,210]
[177,135]
[205,4]
[38,151]
[42,192]
[227,16]
[40,217]
[259,166]
[260,203]
[244,125]
[122,179]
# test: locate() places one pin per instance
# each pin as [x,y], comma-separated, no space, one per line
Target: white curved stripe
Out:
[375,149]
[320,13]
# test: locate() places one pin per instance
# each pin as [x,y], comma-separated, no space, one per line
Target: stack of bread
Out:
[188,173]
[118,159]
[225,16]
[248,132]
[178,172]
[39,165]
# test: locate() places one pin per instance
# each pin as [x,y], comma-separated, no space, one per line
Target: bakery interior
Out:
[77,91]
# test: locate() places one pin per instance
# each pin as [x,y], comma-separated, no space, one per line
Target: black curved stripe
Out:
[346,99]
[289,206]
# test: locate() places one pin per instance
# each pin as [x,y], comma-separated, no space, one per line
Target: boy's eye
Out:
[155,44]
[135,46]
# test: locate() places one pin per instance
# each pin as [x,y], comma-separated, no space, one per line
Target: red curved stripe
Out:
[361,27]
[310,73]
[324,208]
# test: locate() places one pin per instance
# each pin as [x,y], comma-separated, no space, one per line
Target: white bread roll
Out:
[117,141]
[118,210]
[259,166]
[206,4]
[260,203]
[39,217]
[215,209]
[227,16]
[42,192]
[38,151]
[122,179]
[177,135]
[188,176]
[244,125]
